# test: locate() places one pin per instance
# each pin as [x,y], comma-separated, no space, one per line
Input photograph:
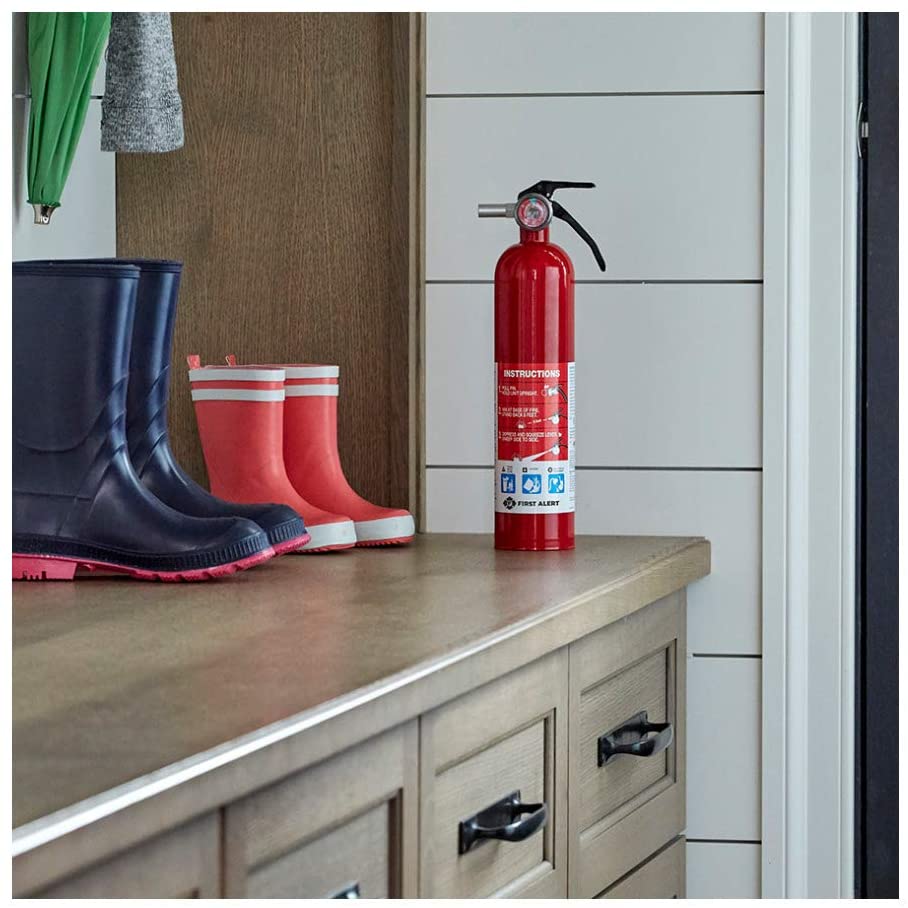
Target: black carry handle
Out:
[638,737]
[350,891]
[502,821]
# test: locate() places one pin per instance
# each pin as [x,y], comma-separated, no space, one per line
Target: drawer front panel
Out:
[661,877]
[643,687]
[627,690]
[183,863]
[507,737]
[357,854]
[515,764]
[348,821]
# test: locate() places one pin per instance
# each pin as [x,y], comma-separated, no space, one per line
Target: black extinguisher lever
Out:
[560,212]
[548,187]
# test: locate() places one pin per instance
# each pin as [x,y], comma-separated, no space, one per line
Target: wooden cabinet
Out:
[501,746]
[465,724]
[661,877]
[627,743]
[472,800]
[347,825]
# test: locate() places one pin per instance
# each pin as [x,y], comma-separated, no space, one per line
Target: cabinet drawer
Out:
[182,863]
[661,877]
[627,743]
[347,825]
[480,754]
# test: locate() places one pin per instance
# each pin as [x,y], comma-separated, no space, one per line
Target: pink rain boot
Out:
[240,414]
[313,463]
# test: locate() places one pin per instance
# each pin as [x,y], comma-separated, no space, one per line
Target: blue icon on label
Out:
[532,484]
[508,482]
[556,484]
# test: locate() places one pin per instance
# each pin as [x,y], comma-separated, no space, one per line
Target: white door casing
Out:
[809,444]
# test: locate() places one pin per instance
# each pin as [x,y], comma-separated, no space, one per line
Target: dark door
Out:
[876,813]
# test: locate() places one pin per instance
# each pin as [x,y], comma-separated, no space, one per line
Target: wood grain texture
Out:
[355,853]
[302,806]
[206,693]
[516,763]
[349,819]
[508,735]
[661,877]
[643,686]
[183,863]
[607,843]
[290,206]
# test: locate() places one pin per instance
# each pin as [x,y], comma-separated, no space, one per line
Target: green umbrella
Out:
[64,50]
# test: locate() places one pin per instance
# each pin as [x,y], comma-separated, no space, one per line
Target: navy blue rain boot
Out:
[146,415]
[77,502]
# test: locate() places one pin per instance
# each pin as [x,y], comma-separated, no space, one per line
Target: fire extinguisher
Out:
[534,365]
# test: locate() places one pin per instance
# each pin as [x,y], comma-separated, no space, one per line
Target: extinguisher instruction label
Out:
[534,437]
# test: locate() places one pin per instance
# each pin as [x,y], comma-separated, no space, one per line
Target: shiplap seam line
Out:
[636,281]
[593,94]
[593,467]
[726,655]
[724,841]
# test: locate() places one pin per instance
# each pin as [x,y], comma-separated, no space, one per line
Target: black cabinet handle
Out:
[348,892]
[507,820]
[638,737]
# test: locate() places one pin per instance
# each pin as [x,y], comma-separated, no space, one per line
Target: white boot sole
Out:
[385,530]
[328,536]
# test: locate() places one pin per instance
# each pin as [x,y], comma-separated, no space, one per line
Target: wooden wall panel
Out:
[282,204]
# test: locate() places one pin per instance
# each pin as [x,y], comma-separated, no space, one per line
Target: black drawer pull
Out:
[348,892]
[638,737]
[504,820]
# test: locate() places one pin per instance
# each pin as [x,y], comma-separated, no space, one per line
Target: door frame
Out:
[809,453]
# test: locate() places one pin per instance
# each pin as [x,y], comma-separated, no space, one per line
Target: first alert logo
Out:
[509,503]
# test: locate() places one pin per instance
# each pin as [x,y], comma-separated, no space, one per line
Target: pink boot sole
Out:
[374,543]
[52,567]
[291,545]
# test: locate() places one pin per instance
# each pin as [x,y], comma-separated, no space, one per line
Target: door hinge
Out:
[863,130]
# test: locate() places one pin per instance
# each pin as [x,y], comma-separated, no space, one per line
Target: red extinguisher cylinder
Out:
[534,332]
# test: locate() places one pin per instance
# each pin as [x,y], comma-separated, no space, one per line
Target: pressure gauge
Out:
[534,212]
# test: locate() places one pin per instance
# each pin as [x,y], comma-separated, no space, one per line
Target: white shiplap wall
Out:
[85,224]
[665,113]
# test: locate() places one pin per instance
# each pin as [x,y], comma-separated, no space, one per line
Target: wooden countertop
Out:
[124,690]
